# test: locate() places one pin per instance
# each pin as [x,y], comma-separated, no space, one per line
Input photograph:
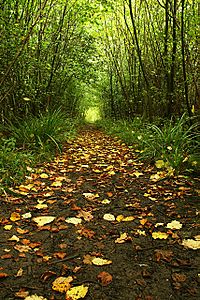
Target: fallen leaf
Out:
[3,275]
[100,261]
[22,231]
[178,277]
[56,184]
[77,292]
[19,273]
[109,217]
[137,174]
[174,225]
[14,238]
[59,255]
[22,293]
[141,232]
[87,216]
[41,206]
[163,254]
[86,232]
[26,215]
[44,175]
[73,220]
[22,248]
[105,201]
[160,164]
[191,244]
[159,235]
[121,218]
[143,221]
[90,196]
[15,216]
[7,227]
[62,284]
[35,297]
[105,278]
[46,275]
[42,220]
[87,259]
[123,238]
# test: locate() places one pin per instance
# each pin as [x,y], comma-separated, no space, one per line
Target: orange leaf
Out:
[3,275]
[105,278]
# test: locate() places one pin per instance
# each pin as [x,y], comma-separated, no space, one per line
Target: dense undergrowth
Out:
[176,144]
[27,142]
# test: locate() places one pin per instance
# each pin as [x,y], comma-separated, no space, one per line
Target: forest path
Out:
[103,210]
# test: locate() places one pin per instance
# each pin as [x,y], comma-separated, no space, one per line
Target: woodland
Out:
[99,149]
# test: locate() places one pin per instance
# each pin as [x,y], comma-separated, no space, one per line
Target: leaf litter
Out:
[94,219]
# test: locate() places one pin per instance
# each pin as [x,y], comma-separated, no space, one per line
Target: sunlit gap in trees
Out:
[92,114]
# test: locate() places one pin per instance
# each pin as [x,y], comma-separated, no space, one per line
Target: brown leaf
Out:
[22,293]
[86,232]
[105,278]
[46,275]
[178,277]
[6,256]
[3,275]
[59,255]
[163,254]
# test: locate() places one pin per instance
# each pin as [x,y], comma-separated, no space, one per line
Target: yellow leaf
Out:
[191,244]
[77,292]
[14,238]
[109,217]
[56,184]
[26,215]
[111,173]
[7,227]
[100,261]
[35,297]
[43,220]
[127,219]
[174,225]
[105,201]
[143,221]
[15,217]
[120,218]
[159,235]
[137,174]
[44,175]
[73,220]
[160,164]
[122,239]
[41,206]
[62,284]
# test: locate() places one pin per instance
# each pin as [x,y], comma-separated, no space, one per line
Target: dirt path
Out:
[98,182]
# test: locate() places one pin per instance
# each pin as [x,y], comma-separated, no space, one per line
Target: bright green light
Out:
[92,114]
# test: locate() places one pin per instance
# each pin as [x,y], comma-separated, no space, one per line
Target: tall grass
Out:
[30,141]
[176,143]
[46,132]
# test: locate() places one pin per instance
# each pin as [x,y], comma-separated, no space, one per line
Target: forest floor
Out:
[108,229]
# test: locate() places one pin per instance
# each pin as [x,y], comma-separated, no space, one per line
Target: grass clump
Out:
[30,141]
[13,163]
[177,143]
[43,133]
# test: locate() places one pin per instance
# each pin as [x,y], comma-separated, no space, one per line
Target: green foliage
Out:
[13,163]
[176,143]
[45,132]
[32,140]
